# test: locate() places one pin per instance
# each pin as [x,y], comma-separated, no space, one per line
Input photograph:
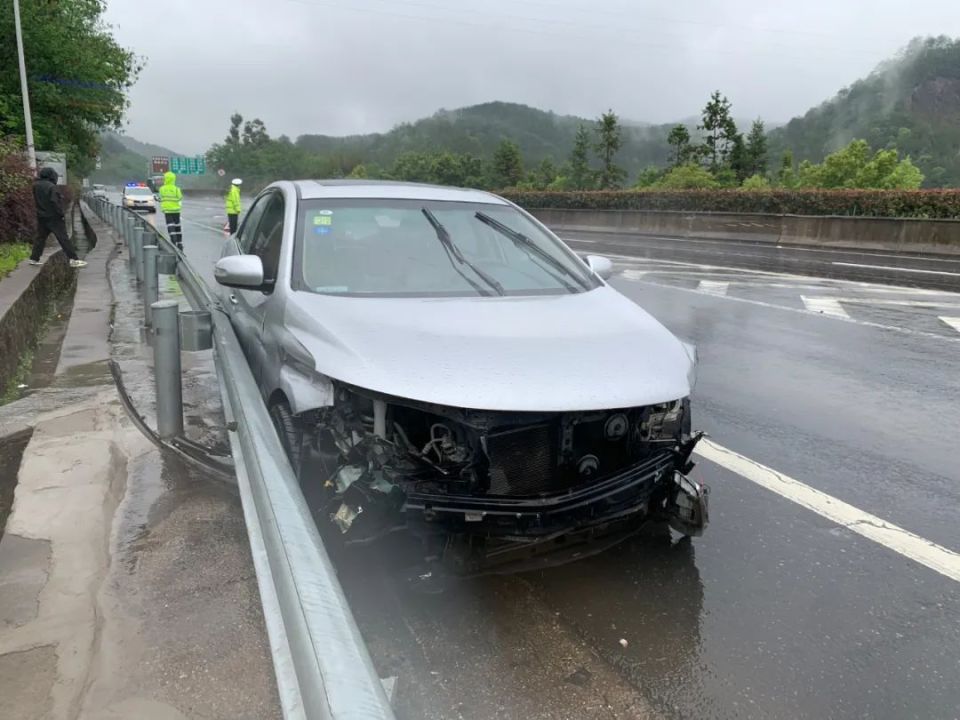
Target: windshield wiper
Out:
[454,251]
[533,250]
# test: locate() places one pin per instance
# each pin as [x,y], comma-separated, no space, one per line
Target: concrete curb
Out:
[86,340]
[22,292]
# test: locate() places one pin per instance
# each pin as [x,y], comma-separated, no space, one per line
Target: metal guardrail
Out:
[322,666]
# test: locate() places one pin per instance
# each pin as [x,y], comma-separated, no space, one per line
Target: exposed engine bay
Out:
[489,485]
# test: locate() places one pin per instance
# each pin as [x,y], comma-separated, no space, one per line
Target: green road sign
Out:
[188,165]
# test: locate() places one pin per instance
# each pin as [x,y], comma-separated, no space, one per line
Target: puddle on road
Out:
[11,453]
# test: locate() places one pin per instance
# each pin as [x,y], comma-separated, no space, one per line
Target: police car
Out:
[137,196]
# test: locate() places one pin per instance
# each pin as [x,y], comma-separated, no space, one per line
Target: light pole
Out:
[27,119]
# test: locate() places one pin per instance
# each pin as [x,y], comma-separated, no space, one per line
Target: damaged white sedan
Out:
[437,361]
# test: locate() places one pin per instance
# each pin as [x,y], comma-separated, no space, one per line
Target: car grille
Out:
[522,461]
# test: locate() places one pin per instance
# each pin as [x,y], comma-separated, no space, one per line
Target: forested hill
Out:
[911,103]
[479,129]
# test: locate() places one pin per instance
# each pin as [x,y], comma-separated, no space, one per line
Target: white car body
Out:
[513,381]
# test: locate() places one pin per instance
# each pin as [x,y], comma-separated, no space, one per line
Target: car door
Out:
[253,304]
[237,301]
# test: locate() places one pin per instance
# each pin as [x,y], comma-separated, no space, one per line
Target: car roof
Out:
[391,190]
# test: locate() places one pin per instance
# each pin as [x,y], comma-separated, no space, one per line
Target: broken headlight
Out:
[666,421]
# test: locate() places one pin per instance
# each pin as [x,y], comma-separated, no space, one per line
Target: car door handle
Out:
[234,299]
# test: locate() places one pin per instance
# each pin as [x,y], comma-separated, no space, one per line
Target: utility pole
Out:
[27,119]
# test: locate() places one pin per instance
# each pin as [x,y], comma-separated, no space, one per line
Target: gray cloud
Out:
[316,66]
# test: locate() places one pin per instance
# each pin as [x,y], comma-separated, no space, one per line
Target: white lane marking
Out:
[898,269]
[632,274]
[936,557]
[825,306]
[743,271]
[953,322]
[778,246]
[890,301]
[804,311]
[711,287]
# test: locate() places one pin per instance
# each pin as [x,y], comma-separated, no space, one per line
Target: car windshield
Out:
[416,248]
[139,192]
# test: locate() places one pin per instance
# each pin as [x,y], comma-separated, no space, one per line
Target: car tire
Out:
[289,431]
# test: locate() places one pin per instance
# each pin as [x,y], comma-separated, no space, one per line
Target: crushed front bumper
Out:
[656,486]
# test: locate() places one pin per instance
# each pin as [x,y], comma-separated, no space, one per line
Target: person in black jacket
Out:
[50,218]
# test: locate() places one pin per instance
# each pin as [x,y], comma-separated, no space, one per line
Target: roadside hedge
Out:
[17,215]
[928,204]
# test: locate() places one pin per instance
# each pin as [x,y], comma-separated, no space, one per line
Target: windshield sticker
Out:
[332,289]
[322,220]
[322,230]
[326,212]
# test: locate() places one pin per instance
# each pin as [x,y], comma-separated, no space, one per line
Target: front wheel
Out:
[289,431]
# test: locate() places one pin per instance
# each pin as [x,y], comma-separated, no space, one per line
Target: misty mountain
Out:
[143,149]
[480,128]
[125,159]
[911,102]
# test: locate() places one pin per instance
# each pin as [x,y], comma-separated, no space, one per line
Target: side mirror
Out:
[601,266]
[240,271]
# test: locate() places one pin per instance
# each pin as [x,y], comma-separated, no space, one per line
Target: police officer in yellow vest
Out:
[233,205]
[171,198]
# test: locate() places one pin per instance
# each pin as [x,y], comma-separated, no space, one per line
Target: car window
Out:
[389,248]
[268,236]
[246,232]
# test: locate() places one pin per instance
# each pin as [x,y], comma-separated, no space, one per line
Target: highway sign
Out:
[188,165]
[159,164]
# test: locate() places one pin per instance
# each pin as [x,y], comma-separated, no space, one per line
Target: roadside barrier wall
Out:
[894,234]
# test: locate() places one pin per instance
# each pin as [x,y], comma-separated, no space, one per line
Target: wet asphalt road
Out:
[776,612]
[874,266]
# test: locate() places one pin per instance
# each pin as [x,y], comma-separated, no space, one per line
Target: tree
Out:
[787,176]
[648,177]
[545,174]
[719,128]
[756,182]
[688,177]
[507,164]
[581,176]
[756,150]
[255,133]
[609,142]
[679,140]
[412,167]
[78,77]
[855,167]
[739,159]
[358,172]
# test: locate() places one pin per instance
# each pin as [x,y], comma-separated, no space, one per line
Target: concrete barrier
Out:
[941,237]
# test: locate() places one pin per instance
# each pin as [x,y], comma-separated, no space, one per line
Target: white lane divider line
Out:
[632,274]
[938,558]
[825,306]
[953,322]
[712,287]
[898,269]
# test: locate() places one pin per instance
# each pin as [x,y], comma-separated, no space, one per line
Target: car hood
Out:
[586,351]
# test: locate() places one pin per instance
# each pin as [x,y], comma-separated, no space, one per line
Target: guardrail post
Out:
[151,285]
[165,315]
[145,237]
[136,245]
[132,241]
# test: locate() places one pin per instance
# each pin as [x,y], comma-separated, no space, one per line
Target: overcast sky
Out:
[357,66]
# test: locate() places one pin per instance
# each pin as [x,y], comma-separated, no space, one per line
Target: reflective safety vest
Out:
[170,195]
[233,201]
